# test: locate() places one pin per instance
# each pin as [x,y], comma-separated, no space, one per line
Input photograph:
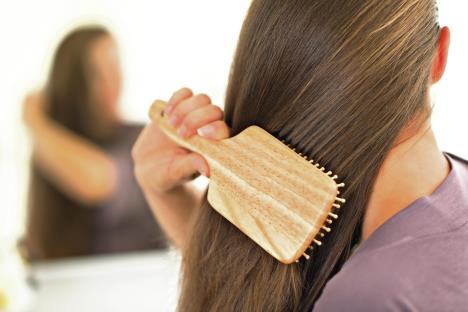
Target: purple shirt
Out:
[124,222]
[416,261]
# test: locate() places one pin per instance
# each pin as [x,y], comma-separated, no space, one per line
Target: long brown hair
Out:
[339,80]
[57,225]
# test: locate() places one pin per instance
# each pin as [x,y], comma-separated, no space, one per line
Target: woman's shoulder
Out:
[425,274]
[417,260]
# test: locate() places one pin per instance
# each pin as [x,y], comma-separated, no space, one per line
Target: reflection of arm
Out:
[75,165]
[175,210]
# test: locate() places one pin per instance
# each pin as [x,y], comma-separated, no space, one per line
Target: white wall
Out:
[164,45]
[451,110]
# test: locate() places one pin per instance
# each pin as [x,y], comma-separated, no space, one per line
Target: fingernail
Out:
[207,130]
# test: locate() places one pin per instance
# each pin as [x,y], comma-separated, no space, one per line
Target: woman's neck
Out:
[414,168]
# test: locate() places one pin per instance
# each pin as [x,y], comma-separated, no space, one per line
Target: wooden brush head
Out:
[272,194]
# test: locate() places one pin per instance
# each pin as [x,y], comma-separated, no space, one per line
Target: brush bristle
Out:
[335,206]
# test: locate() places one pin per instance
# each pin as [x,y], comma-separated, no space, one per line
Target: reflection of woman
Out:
[83,196]
[347,83]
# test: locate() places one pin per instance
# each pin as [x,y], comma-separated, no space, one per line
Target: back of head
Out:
[339,80]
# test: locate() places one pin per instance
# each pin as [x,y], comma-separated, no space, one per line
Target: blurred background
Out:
[162,46]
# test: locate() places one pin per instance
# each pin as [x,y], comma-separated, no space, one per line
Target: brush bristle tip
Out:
[327,229]
[341,200]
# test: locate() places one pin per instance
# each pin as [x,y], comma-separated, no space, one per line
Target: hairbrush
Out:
[273,194]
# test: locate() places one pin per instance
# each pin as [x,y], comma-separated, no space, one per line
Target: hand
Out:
[160,163]
[33,108]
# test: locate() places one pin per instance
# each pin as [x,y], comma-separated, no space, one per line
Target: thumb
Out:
[200,164]
[187,165]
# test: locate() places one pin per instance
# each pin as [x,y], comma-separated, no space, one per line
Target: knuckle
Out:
[190,122]
[184,91]
[176,113]
[222,128]
[218,126]
[217,111]
[184,108]
[203,98]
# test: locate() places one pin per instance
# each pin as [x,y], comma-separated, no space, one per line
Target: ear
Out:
[439,62]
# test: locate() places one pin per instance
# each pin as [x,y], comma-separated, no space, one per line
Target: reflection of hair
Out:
[339,80]
[57,226]
[69,94]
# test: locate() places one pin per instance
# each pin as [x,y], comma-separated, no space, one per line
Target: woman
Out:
[83,195]
[347,83]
